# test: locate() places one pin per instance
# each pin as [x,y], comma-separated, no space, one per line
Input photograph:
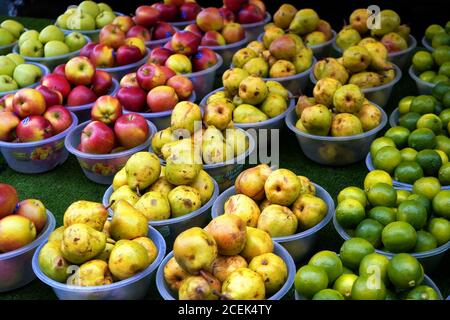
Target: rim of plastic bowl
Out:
[412,44]
[180,24]
[48,228]
[230,45]
[64,56]
[395,114]
[60,135]
[66,31]
[84,155]
[45,71]
[267,18]
[413,74]
[202,72]
[128,66]
[255,124]
[6,46]
[290,123]
[112,92]
[116,285]
[426,44]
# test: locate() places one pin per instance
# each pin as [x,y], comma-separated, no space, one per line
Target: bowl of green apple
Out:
[10,31]
[51,46]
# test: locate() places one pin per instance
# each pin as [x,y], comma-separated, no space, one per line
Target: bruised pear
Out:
[309,210]
[244,284]
[154,206]
[366,40]
[378,56]
[162,186]
[246,113]
[387,76]
[272,269]
[304,102]
[345,124]
[223,266]
[278,221]
[347,37]
[231,80]
[257,243]
[143,168]
[356,58]
[370,116]
[274,105]
[52,262]
[394,42]
[242,56]
[93,214]
[268,58]
[253,90]
[306,186]
[256,46]
[229,232]
[149,246]
[120,179]
[203,287]
[257,67]
[174,275]
[365,79]
[183,162]
[324,90]
[123,193]
[277,88]
[284,15]
[244,207]
[237,140]
[250,182]
[315,38]
[204,184]
[282,69]
[282,187]
[161,138]
[317,120]
[81,243]
[330,68]
[348,98]
[187,116]
[127,222]
[325,28]
[93,273]
[184,200]
[358,20]
[303,59]
[127,259]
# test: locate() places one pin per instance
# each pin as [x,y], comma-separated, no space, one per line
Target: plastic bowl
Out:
[167,294]
[118,72]
[101,168]
[298,245]
[160,119]
[83,112]
[15,266]
[379,95]
[133,288]
[171,228]
[44,70]
[52,62]
[427,44]
[422,86]
[255,29]
[335,151]
[181,24]
[39,156]
[394,118]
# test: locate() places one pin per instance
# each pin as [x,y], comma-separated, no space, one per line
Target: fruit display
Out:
[176,12]
[244,12]
[10,31]
[432,67]
[359,273]
[21,222]
[16,74]
[437,35]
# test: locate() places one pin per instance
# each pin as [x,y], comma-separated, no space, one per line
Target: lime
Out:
[309,280]
[446,98]
[370,230]
[423,104]
[430,161]
[422,293]
[440,39]
[399,135]
[425,241]
[424,201]
[433,30]
[354,250]
[441,204]
[344,284]
[408,172]
[374,264]
[430,121]
[421,139]
[408,154]
[409,120]
[382,194]
[368,288]
[387,158]
[445,69]
[399,236]
[412,212]
[376,176]
[427,186]
[443,155]
[405,271]
[390,295]
[445,116]
[441,55]
[427,76]
[353,193]
[423,61]
[379,143]
[440,229]
[328,261]
[439,78]
[402,195]
[444,174]
[440,89]
[328,294]
[404,104]
[383,215]
[443,144]
[349,213]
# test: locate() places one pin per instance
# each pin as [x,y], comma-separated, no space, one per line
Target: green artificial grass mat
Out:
[62,186]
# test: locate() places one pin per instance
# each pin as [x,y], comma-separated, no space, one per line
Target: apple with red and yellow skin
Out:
[8,199]
[33,210]
[235,5]
[125,23]
[112,36]
[205,58]
[132,98]
[106,109]
[79,71]
[97,138]
[168,46]
[167,12]
[137,42]
[16,232]
[28,102]
[227,15]
[146,16]
[8,122]
[102,56]
[162,98]
[183,86]
[59,117]
[129,80]
[52,97]
[168,72]
[127,54]
[131,130]
[102,82]
[250,14]
[163,30]
[6,103]
[80,95]
[149,76]
[159,55]
[87,49]
[213,38]
[209,19]
[189,11]
[185,42]
[34,128]
[194,29]
[179,63]
[233,32]
[59,69]
[57,82]
[139,32]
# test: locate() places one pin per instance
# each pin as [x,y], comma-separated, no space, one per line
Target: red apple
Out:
[146,16]
[250,14]
[203,59]
[112,36]
[97,138]
[209,19]
[59,69]
[102,56]
[140,32]
[163,30]
[168,46]
[127,54]
[125,23]
[59,117]
[233,32]
[235,5]
[28,102]
[131,130]
[150,76]
[137,42]
[33,210]
[79,71]
[168,72]
[159,56]
[162,98]
[34,128]
[6,103]
[57,82]
[87,49]
[8,199]
[175,2]
[52,97]
[194,29]
[227,15]
[189,11]
[80,95]
[182,86]
[8,122]
[106,109]
[213,38]
[102,82]
[129,80]
[167,12]
[259,4]
[185,42]
[132,98]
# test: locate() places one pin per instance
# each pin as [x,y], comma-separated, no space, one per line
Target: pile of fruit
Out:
[10,31]
[433,67]
[437,35]
[161,193]
[395,220]
[174,10]
[336,110]
[88,15]
[244,11]
[358,273]
[153,88]
[16,74]
[20,222]
[278,202]
[391,33]
[104,251]
[50,42]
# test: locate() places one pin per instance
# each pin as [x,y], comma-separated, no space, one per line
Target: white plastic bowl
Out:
[423,87]
[45,71]
[118,72]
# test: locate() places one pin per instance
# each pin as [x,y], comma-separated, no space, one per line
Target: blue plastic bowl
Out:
[118,72]
[45,71]
[167,294]
[39,156]
[15,266]
[298,245]
[423,87]
[171,228]
[394,118]
[427,44]
[181,24]
[101,168]
[133,288]
[255,29]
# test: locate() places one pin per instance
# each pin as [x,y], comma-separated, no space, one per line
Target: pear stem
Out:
[221,295]
[110,205]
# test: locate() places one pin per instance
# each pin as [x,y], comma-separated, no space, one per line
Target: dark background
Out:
[418,14]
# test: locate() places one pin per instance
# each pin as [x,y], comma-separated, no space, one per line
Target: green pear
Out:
[204,184]
[303,59]
[127,222]
[57,234]
[218,95]
[348,98]
[31,48]
[93,214]
[304,102]
[81,243]
[257,67]
[61,21]
[231,80]
[356,58]
[186,115]
[284,15]
[214,147]
[162,185]
[154,206]
[274,105]
[272,269]
[315,38]
[389,21]
[253,90]
[244,284]
[236,139]
[242,56]
[345,124]
[309,210]
[204,287]
[55,48]
[258,242]
[324,91]
[51,33]
[161,138]
[143,168]
[52,263]
[123,193]
[278,221]
[184,200]
[304,21]
[317,120]
[120,179]
[6,37]
[27,74]
[365,79]
[93,273]
[277,88]
[387,76]
[14,27]
[16,58]
[30,34]
[256,46]
[127,259]
[330,68]
[378,54]
[347,37]
[89,7]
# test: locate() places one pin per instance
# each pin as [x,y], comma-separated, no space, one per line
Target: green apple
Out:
[16,28]
[75,41]
[27,74]
[32,48]
[51,33]
[17,58]
[55,48]
[7,83]
[89,7]
[7,66]
[30,34]
[104,7]
[71,10]
[80,21]
[6,37]
[104,18]
[61,21]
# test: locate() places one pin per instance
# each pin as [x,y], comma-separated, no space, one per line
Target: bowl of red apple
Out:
[24,225]
[32,131]
[103,144]
[153,91]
